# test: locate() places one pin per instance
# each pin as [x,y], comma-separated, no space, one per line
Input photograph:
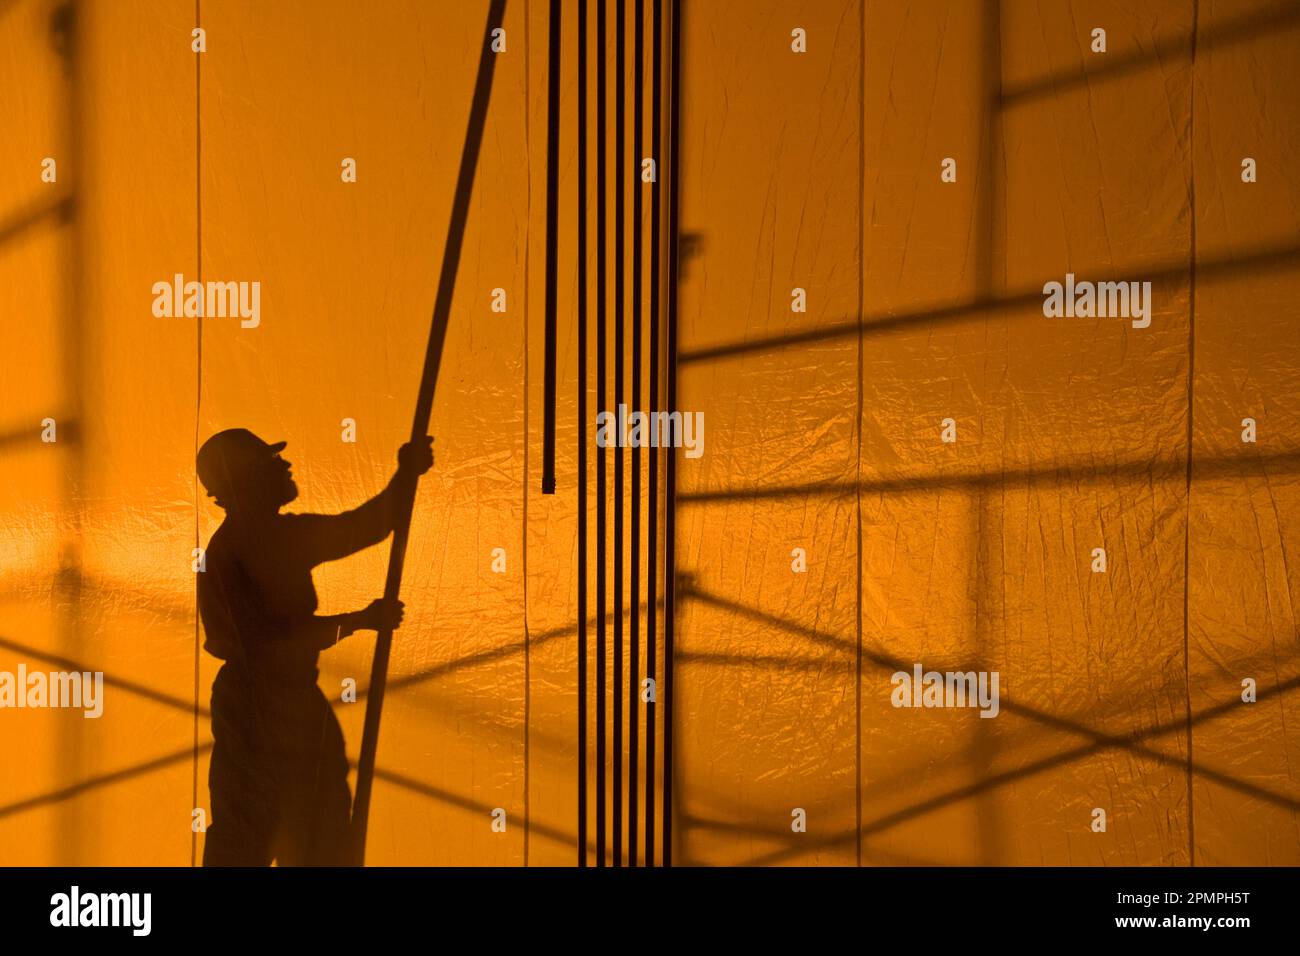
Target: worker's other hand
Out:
[416,457]
[383,615]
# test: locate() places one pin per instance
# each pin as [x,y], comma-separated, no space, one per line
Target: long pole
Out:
[652,534]
[670,469]
[420,423]
[582,433]
[634,539]
[602,348]
[620,325]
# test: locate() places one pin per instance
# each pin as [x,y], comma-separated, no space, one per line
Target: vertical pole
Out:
[634,540]
[602,284]
[405,498]
[620,184]
[582,433]
[670,492]
[652,547]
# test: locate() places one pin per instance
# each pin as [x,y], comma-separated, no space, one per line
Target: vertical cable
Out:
[602,284]
[552,230]
[523,533]
[857,427]
[582,433]
[1191,381]
[634,541]
[652,510]
[620,180]
[670,491]
[198,401]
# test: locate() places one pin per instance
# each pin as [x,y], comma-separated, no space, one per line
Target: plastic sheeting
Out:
[820,171]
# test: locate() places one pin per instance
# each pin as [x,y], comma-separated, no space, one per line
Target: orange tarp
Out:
[820,171]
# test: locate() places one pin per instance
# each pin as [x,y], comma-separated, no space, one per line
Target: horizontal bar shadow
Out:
[1203,469]
[966,310]
[167,760]
[33,214]
[179,756]
[1132,742]
[139,690]
[464,803]
[1103,741]
[1122,65]
[782,833]
[101,780]
[964,793]
[539,639]
[68,433]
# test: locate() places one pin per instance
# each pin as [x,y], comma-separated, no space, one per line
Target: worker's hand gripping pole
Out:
[420,424]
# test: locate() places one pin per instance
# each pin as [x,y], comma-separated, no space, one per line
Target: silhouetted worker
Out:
[279,773]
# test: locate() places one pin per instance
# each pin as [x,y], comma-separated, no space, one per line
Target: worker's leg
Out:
[316,804]
[241,781]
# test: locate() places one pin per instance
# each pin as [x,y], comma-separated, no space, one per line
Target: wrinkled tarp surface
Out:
[818,171]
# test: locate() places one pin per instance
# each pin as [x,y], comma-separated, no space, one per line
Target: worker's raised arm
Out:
[330,537]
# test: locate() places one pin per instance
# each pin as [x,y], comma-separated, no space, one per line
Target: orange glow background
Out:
[818,171]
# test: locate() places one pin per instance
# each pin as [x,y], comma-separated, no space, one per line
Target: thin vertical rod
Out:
[634,542]
[652,546]
[582,433]
[602,284]
[552,241]
[670,492]
[620,181]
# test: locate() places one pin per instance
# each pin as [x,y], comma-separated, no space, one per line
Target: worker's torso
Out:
[263,581]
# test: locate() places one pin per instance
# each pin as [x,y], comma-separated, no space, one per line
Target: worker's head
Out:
[244,473]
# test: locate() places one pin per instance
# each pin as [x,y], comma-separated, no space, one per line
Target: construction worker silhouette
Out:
[279,773]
